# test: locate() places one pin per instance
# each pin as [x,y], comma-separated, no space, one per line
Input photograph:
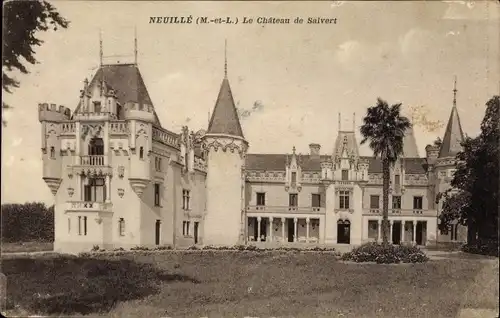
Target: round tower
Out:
[226,148]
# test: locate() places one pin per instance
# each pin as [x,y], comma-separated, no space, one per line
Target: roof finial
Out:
[135,45]
[293,150]
[455,93]
[339,122]
[100,48]
[354,122]
[225,58]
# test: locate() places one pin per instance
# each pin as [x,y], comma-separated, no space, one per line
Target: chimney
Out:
[432,153]
[314,150]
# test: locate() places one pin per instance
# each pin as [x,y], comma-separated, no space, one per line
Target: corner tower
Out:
[226,148]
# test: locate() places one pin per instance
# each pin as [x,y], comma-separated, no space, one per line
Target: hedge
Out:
[27,222]
[386,254]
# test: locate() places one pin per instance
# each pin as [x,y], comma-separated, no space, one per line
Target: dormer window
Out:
[97,107]
[345,175]
[52,152]
[141,153]
[294,177]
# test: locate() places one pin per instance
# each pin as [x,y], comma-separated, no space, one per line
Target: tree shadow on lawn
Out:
[73,285]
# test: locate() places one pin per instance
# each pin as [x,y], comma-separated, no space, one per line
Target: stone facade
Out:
[122,180]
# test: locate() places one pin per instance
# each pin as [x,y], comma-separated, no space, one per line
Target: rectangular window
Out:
[261,198]
[374,202]
[345,175]
[69,225]
[157,194]
[396,202]
[95,190]
[187,228]
[293,199]
[185,200]
[344,200]
[397,180]
[79,225]
[294,177]
[121,227]
[97,107]
[316,200]
[417,203]
[84,225]
[184,228]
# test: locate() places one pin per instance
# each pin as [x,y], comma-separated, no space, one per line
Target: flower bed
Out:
[385,254]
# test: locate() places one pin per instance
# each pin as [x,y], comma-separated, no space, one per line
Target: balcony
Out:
[86,206]
[285,209]
[92,160]
[401,212]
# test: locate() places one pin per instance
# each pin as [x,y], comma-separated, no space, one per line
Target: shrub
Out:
[385,254]
[27,222]
[95,248]
[482,247]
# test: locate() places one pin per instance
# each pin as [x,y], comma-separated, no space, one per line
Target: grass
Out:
[237,284]
[27,247]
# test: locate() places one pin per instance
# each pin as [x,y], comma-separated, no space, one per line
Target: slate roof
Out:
[126,80]
[225,117]
[453,136]
[410,149]
[277,162]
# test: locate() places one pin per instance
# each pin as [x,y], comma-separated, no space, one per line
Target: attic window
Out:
[97,107]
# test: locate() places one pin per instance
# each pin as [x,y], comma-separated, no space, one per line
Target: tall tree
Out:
[23,19]
[473,196]
[384,128]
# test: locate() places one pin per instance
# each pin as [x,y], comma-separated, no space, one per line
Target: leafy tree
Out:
[22,21]
[384,128]
[473,197]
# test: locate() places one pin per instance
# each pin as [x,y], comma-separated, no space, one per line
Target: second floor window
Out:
[344,200]
[417,203]
[261,198]
[95,190]
[397,179]
[157,194]
[293,199]
[396,202]
[316,200]
[185,199]
[158,164]
[96,147]
[345,175]
[374,202]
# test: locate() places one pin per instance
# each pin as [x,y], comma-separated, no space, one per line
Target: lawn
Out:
[238,284]
[27,247]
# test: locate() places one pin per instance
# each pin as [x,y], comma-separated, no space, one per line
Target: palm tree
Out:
[384,128]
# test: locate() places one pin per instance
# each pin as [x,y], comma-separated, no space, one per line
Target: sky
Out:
[301,76]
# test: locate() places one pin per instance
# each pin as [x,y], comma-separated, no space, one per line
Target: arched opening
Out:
[141,153]
[96,147]
[343,232]
[52,152]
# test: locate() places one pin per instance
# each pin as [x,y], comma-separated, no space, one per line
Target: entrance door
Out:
[196,232]
[396,233]
[157,232]
[343,232]
[291,229]
[421,233]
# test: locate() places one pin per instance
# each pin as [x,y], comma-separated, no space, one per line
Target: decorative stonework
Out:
[71,191]
[121,192]
[92,130]
[139,185]
[53,183]
[98,220]
[225,143]
[69,169]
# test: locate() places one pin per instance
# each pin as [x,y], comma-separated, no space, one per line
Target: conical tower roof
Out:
[410,149]
[454,135]
[225,118]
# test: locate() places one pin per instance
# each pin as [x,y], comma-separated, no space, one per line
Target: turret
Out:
[226,148]
[51,116]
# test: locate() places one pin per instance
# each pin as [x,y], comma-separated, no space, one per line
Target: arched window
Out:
[96,147]
[141,153]
[121,227]
[52,152]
